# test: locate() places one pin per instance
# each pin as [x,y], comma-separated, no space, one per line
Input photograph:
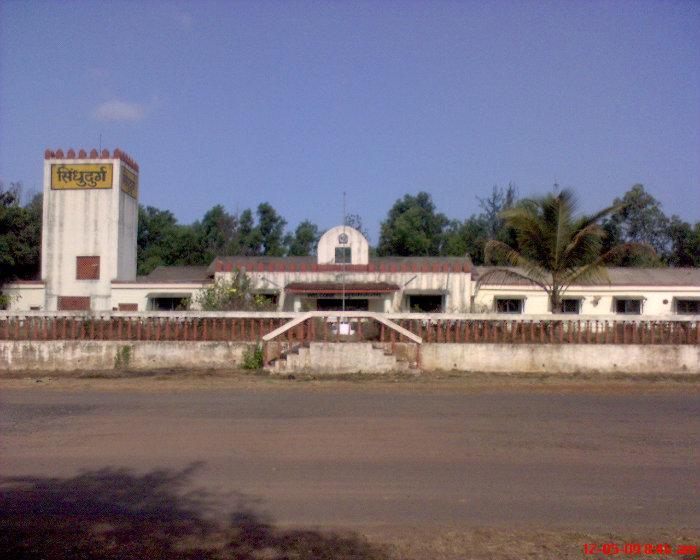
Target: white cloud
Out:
[116,110]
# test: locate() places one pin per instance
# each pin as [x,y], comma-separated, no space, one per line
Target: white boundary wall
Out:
[85,355]
[562,358]
[102,355]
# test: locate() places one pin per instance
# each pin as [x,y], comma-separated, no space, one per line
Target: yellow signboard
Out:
[129,182]
[81,176]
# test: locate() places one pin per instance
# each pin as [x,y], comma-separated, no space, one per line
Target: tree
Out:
[466,238]
[470,236]
[556,247]
[155,239]
[303,242]
[412,228]
[684,243]
[271,228]
[248,241]
[215,233]
[232,294]
[493,207]
[20,235]
[639,219]
[355,221]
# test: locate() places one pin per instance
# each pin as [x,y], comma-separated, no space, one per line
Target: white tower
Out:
[88,236]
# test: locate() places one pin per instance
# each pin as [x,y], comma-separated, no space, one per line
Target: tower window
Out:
[87,268]
[343,255]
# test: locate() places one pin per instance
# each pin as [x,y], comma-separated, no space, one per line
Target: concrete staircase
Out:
[331,358]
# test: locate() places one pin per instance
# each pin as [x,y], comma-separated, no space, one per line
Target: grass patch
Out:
[253,357]
[123,358]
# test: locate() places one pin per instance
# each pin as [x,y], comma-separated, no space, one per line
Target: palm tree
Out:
[556,248]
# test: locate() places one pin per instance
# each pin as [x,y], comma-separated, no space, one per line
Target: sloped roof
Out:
[376,264]
[618,276]
[175,274]
[337,287]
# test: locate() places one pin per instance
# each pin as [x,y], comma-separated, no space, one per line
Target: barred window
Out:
[628,306]
[509,305]
[87,268]
[73,303]
[688,307]
[571,305]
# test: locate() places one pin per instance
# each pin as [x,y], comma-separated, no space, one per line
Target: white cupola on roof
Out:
[343,245]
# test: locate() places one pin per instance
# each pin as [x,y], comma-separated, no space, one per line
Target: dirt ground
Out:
[441,466]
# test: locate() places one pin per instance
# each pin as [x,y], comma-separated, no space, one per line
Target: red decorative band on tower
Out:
[94,154]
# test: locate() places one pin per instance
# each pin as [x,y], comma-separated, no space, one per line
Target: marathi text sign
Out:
[81,176]
[130,182]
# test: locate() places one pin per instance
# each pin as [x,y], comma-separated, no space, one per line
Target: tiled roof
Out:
[618,276]
[175,274]
[337,287]
[376,264]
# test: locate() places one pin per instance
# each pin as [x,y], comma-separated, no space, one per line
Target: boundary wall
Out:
[100,355]
[56,342]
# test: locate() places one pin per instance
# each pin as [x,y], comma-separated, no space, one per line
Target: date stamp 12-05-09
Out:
[613,549]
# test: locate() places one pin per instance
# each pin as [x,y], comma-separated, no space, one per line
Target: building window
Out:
[168,303]
[509,305]
[571,305]
[266,300]
[335,304]
[425,303]
[688,306]
[73,303]
[87,268]
[343,255]
[628,306]
[128,307]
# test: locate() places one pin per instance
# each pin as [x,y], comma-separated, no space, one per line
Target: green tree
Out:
[639,219]
[156,239]
[684,243]
[556,248]
[20,236]
[466,238]
[355,221]
[216,233]
[493,207]
[304,240]
[248,240]
[271,228]
[232,294]
[412,228]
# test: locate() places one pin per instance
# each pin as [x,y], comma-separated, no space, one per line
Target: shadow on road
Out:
[113,514]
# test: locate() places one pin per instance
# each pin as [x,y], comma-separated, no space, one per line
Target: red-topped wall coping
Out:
[94,154]
[281,266]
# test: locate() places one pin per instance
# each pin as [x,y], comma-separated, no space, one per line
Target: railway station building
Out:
[88,263]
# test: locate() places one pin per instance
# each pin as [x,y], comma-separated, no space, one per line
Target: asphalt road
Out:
[363,457]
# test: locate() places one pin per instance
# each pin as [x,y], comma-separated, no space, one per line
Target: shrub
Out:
[232,294]
[253,357]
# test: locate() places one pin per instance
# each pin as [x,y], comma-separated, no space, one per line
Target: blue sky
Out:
[295,102]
